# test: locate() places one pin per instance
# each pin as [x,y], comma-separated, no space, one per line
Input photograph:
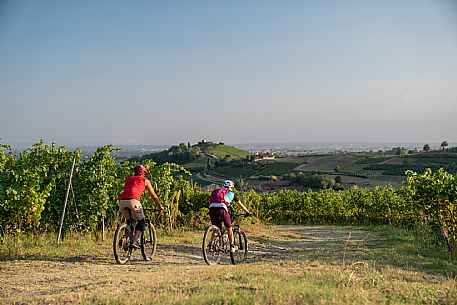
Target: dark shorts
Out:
[219,216]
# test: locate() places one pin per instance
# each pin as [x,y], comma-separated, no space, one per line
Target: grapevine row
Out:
[33,186]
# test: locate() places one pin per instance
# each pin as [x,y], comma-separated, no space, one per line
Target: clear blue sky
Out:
[164,72]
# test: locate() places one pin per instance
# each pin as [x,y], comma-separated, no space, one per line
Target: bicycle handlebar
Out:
[242,215]
[152,210]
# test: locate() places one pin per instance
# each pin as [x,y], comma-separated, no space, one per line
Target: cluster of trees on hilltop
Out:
[315,180]
[179,154]
[236,162]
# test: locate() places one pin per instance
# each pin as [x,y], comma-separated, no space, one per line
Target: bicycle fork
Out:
[236,233]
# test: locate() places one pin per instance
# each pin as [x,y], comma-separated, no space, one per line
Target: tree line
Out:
[179,154]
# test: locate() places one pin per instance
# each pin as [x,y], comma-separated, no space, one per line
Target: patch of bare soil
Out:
[349,181]
[294,242]
[69,280]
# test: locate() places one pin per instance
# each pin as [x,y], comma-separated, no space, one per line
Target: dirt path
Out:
[76,279]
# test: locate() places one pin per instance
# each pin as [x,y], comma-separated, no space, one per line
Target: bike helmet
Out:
[140,169]
[228,183]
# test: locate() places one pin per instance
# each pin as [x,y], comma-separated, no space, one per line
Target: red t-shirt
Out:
[133,187]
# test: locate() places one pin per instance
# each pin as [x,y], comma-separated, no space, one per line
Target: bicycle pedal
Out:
[233,249]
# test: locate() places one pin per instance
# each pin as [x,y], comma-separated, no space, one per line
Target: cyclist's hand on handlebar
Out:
[160,208]
[249,213]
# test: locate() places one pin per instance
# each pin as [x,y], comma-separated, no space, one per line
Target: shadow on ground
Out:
[326,244]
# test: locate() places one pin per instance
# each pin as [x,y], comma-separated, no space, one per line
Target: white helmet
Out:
[228,183]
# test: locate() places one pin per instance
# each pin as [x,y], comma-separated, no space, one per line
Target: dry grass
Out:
[287,265]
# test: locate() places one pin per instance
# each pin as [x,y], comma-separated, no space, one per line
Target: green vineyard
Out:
[34,185]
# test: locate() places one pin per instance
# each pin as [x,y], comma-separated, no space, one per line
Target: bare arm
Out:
[241,205]
[153,194]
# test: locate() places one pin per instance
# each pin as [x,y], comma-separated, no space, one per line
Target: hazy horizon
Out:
[261,146]
[90,73]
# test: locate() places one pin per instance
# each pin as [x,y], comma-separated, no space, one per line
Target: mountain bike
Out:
[122,243]
[216,243]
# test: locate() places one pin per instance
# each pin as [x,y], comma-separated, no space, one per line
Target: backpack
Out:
[218,195]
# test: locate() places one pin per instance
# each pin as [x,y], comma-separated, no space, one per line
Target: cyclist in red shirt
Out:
[130,199]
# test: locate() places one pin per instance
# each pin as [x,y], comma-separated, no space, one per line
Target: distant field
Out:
[361,170]
[221,151]
[395,160]
[349,181]
[351,171]
[278,167]
[197,165]
[357,169]
[231,172]
[326,163]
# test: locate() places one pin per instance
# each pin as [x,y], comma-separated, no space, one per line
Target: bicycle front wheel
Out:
[240,254]
[121,243]
[212,245]
[148,242]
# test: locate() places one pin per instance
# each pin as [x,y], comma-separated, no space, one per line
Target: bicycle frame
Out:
[122,243]
[214,246]
[235,226]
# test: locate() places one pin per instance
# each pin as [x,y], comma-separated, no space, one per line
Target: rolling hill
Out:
[195,157]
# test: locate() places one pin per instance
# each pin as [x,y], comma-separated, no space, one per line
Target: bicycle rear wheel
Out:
[241,248]
[148,242]
[213,247]
[121,243]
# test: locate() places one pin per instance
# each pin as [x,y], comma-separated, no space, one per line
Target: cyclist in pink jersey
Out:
[130,199]
[220,200]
